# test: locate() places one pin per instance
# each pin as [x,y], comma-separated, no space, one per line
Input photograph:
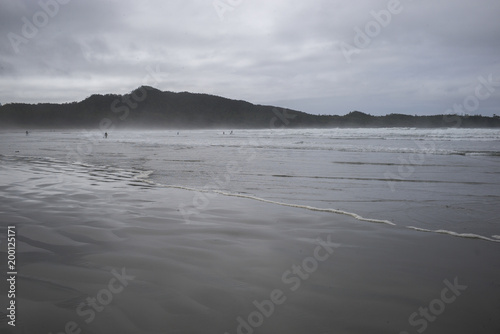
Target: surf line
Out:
[307,207]
[255,198]
[336,211]
[455,234]
[358,217]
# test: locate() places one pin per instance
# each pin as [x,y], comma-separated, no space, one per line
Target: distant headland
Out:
[151,108]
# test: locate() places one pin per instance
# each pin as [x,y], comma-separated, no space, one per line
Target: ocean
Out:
[243,231]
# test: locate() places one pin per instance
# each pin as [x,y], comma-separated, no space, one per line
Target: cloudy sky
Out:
[318,56]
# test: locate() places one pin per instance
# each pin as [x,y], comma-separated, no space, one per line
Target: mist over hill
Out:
[151,108]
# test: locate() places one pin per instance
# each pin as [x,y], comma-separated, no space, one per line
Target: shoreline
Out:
[74,231]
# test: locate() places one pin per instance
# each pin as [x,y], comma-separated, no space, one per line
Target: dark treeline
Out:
[149,107]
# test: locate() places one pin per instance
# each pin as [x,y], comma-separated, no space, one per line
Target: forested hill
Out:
[149,107]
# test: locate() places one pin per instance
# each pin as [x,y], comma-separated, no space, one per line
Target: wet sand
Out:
[106,252]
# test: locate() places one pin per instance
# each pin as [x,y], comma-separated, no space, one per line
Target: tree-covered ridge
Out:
[149,107]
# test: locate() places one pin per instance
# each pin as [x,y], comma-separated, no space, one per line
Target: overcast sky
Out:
[318,56]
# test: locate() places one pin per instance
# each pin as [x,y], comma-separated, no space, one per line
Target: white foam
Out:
[143,175]
[336,211]
[455,234]
[307,207]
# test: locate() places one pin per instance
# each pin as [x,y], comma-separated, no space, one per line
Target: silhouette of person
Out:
[106,135]
[27,132]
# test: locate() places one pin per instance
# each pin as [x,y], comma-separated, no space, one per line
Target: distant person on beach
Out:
[106,135]
[27,132]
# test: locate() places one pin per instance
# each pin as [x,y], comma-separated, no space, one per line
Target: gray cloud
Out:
[426,59]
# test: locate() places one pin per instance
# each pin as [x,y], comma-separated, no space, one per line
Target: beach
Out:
[299,231]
